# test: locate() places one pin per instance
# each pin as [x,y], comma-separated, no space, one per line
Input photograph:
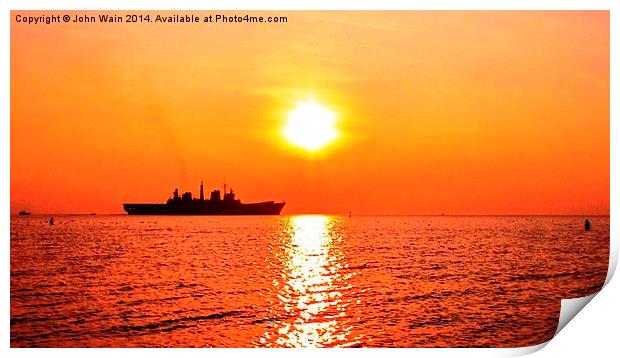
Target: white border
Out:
[315,5]
[594,327]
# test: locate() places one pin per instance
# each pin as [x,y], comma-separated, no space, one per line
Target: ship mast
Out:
[202,194]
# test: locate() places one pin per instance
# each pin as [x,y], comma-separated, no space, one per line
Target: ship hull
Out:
[205,208]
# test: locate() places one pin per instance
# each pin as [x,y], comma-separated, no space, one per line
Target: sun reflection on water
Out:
[311,289]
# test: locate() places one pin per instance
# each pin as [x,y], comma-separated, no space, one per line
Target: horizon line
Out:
[314,213]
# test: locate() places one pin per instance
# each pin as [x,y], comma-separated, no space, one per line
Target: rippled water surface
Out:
[294,281]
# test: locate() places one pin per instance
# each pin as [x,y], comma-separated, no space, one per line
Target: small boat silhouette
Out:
[24,213]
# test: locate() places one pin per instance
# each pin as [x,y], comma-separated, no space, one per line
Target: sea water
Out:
[296,281]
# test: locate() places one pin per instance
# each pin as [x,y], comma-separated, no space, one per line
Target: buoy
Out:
[587,225]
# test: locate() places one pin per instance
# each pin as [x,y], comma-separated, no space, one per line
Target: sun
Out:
[310,126]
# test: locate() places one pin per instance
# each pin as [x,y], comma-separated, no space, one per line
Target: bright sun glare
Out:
[311,126]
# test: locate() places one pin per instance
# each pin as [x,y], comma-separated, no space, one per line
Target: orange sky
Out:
[458,112]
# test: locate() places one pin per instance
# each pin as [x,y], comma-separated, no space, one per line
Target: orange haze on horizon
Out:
[456,112]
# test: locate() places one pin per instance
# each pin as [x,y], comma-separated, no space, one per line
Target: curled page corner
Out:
[522,351]
[569,309]
[613,261]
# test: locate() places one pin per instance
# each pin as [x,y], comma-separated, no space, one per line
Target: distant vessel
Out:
[24,213]
[215,205]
